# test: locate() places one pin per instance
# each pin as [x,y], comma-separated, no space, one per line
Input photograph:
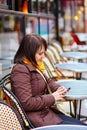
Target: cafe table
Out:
[79,56]
[78,68]
[77,92]
[61,127]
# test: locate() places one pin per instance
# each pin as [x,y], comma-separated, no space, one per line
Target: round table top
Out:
[75,67]
[78,88]
[75,55]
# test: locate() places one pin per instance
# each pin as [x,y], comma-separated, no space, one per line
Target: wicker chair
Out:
[55,57]
[51,70]
[12,100]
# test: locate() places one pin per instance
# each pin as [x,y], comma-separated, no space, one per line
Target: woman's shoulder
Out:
[22,67]
[19,67]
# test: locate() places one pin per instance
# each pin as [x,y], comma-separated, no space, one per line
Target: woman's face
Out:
[40,54]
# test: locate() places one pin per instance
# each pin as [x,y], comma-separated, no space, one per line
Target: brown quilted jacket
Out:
[29,86]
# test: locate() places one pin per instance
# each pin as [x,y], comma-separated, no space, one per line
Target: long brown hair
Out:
[28,48]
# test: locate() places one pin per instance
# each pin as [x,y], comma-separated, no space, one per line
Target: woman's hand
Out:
[59,93]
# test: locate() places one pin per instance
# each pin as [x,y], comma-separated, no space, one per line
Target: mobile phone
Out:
[68,89]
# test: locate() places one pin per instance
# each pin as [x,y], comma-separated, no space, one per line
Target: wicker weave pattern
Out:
[8,118]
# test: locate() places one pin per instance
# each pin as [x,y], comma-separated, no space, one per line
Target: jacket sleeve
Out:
[21,83]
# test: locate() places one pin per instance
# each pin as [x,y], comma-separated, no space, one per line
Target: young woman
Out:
[30,87]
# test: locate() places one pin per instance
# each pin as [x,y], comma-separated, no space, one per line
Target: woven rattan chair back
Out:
[9,119]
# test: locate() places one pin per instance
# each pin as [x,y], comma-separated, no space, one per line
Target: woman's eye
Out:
[41,53]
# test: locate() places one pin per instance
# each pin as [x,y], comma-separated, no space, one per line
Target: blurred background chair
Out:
[58,47]
[54,58]
[51,70]
[55,53]
[59,50]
